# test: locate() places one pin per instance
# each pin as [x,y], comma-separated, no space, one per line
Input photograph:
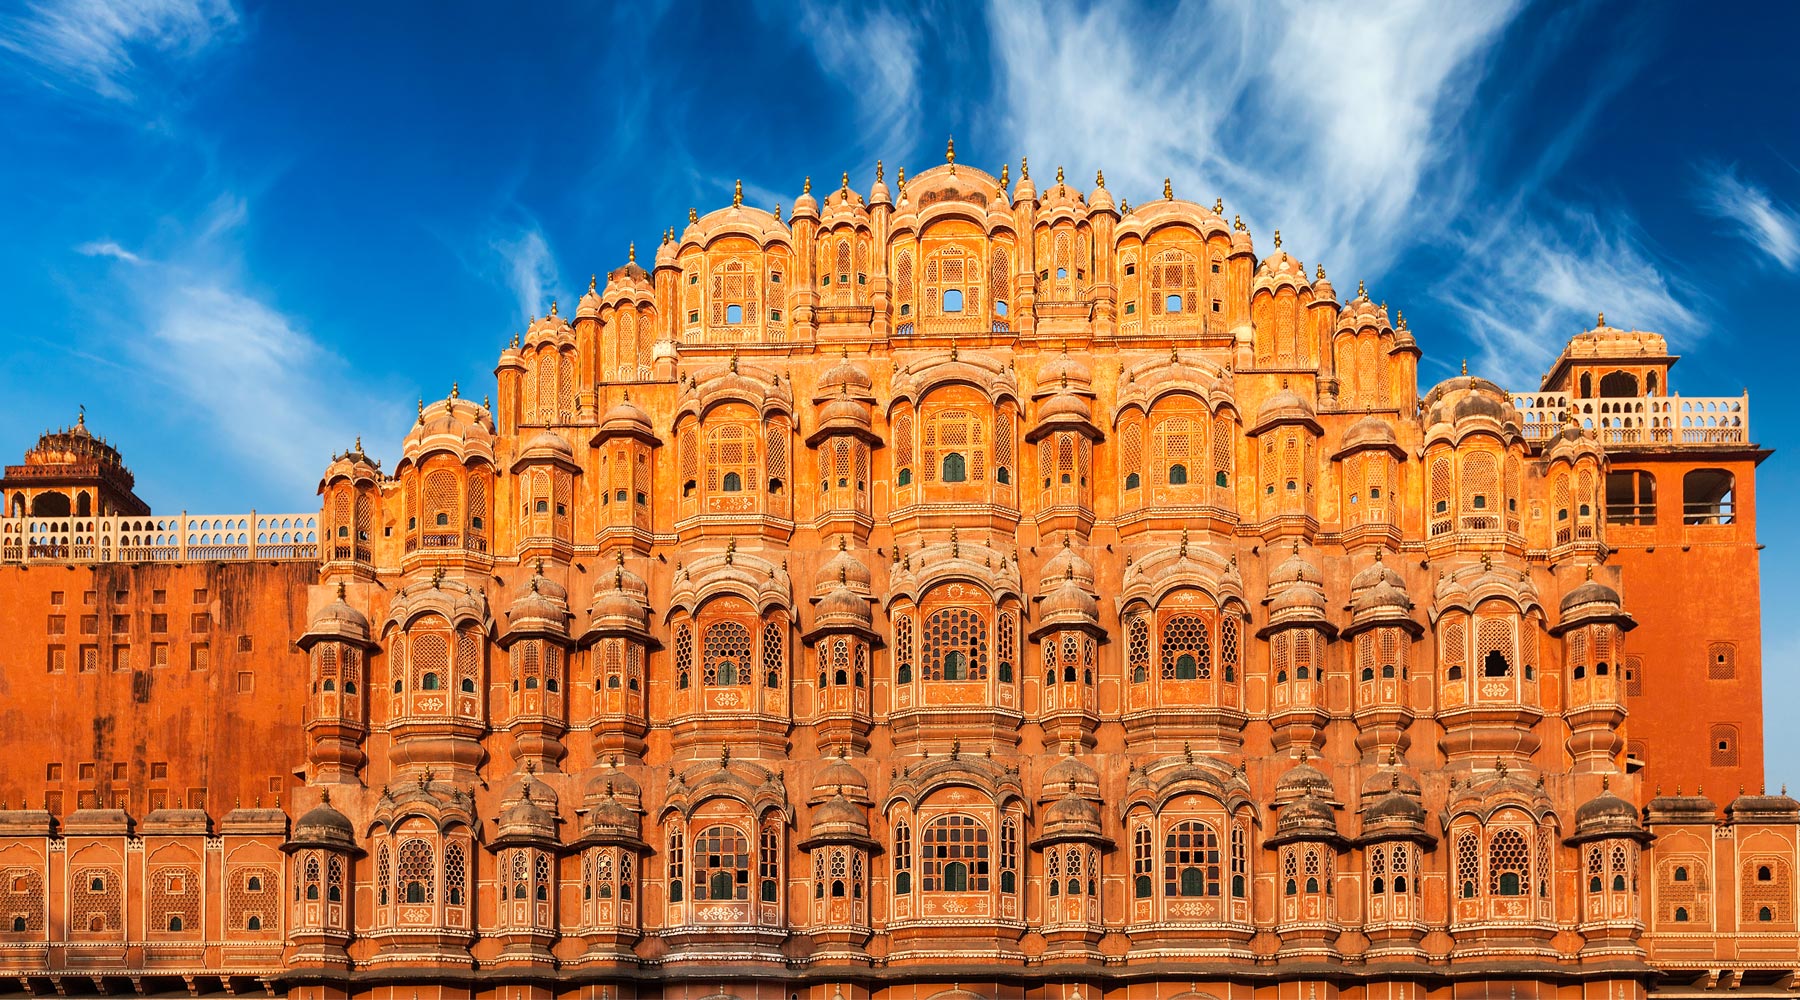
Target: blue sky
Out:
[243,234]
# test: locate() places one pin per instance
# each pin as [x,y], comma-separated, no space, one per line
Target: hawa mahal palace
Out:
[962,590]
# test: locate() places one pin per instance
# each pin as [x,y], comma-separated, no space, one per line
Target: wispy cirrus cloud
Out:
[94,45]
[1521,301]
[108,248]
[874,52]
[528,268]
[1324,122]
[1755,216]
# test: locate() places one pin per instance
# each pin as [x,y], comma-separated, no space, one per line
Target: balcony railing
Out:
[175,538]
[1679,420]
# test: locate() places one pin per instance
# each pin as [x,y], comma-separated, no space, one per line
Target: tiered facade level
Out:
[966,590]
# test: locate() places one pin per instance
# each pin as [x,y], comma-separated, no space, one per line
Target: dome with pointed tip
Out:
[337,621]
[1369,432]
[540,601]
[589,306]
[525,818]
[1067,771]
[550,329]
[1071,816]
[459,426]
[838,817]
[1278,270]
[1065,407]
[1068,604]
[1606,815]
[1296,590]
[1284,406]
[1572,444]
[842,608]
[1466,398]
[626,418]
[845,378]
[1591,593]
[610,781]
[844,413]
[323,826]
[1062,372]
[844,567]
[547,446]
[1303,779]
[1390,778]
[840,777]
[1067,562]
[1305,817]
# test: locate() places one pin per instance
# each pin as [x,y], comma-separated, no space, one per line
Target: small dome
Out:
[1390,779]
[1306,817]
[1607,815]
[1592,592]
[845,413]
[1280,269]
[1296,589]
[1069,604]
[841,607]
[1065,407]
[339,621]
[324,826]
[1071,769]
[1065,563]
[460,426]
[1063,371]
[1370,431]
[627,417]
[547,444]
[1377,573]
[1303,779]
[610,780]
[551,329]
[846,378]
[839,776]
[1071,816]
[843,567]
[1284,406]
[839,815]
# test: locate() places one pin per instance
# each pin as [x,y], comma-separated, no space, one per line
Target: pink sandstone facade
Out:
[962,590]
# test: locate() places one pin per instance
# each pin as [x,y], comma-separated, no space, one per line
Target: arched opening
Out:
[956,877]
[1587,386]
[50,505]
[1178,475]
[84,505]
[1707,497]
[953,300]
[429,682]
[1509,883]
[1132,481]
[734,314]
[732,483]
[1186,667]
[1618,385]
[956,468]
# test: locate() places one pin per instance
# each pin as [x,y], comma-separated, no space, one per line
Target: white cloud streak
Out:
[92,45]
[874,53]
[108,248]
[1322,121]
[529,269]
[1768,225]
[1547,280]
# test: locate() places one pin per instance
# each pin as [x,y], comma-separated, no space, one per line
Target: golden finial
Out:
[359,444]
[630,256]
[1465,370]
[1124,206]
[1590,572]
[1321,274]
[1059,175]
[340,590]
[421,409]
[778,211]
[737,193]
[1402,319]
[1278,239]
[846,180]
[806,188]
[594,279]
[1168,190]
[1237,223]
[1362,292]
[693,215]
[955,546]
[1005,175]
[1024,168]
[901,175]
[950,153]
[552,307]
[1219,206]
[880,173]
[1100,179]
[734,361]
[456,391]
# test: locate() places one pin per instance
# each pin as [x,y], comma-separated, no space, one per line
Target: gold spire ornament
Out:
[593,279]
[631,252]
[1005,177]
[1059,175]
[1278,239]
[846,186]
[806,188]
[1024,168]
[1100,179]
[1219,206]
[880,177]
[737,194]
[1168,190]
[1601,321]
[693,215]
[950,154]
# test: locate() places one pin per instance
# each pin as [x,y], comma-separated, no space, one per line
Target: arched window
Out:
[1186,648]
[1178,475]
[1191,860]
[902,859]
[1708,496]
[721,864]
[416,872]
[726,655]
[956,645]
[1509,864]
[1141,863]
[429,682]
[954,854]
[955,468]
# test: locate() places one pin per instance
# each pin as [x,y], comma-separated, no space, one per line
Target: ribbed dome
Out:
[457,425]
[339,621]
[547,444]
[1065,563]
[551,329]
[1069,604]
[845,413]
[1370,431]
[841,608]
[610,817]
[1296,589]
[1607,815]
[1303,779]
[846,378]
[839,776]
[838,815]
[1592,592]
[1071,816]
[626,417]
[1063,371]
[1071,769]
[1285,404]
[843,567]
[1065,407]
[324,826]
